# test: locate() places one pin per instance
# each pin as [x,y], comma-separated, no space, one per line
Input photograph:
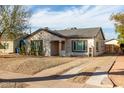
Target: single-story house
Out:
[112,46]
[68,42]
[8,45]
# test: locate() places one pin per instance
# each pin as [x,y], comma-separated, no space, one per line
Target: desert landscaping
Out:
[61,46]
[31,71]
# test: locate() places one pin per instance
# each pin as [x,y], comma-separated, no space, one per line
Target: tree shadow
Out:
[59,77]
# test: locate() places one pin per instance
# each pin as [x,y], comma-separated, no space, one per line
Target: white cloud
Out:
[75,17]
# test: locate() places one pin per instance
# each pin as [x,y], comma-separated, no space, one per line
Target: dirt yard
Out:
[31,65]
[117,72]
[50,71]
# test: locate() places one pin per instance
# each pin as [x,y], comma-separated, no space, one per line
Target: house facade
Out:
[69,42]
[6,46]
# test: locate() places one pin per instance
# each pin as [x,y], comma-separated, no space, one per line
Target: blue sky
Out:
[80,16]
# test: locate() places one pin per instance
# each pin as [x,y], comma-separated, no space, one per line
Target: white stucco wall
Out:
[10,47]
[47,38]
[91,44]
[101,44]
[69,52]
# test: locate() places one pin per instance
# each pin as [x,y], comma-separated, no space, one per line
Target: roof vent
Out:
[46,28]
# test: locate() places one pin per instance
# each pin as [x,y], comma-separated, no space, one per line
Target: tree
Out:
[13,21]
[119,24]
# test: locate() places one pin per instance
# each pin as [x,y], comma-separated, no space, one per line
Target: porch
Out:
[57,48]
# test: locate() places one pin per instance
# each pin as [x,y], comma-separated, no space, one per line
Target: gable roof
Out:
[81,33]
[72,33]
[41,29]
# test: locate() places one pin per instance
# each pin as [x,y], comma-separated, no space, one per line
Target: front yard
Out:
[39,71]
[31,65]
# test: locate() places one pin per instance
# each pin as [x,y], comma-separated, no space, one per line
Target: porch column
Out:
[60,47]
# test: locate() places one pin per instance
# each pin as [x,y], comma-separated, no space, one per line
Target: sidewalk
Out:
[117,72]
[100,77]
[64,76]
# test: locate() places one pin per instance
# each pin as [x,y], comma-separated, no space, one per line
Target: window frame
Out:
[75,45]
[6,45]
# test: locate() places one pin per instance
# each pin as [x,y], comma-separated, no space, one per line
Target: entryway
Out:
[54,48]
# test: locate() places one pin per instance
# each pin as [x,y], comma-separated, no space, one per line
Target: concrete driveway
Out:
[79,72]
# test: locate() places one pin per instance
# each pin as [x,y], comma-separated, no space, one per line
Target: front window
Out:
[79,45]
[6,45]
[37,47]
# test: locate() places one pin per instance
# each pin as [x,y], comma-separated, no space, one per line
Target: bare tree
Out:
[13,21]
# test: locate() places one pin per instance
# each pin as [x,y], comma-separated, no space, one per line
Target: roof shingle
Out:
[73,33]
[85,33]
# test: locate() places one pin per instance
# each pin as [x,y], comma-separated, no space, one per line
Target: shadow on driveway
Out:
[59,77]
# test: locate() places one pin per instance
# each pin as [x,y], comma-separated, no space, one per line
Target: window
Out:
[79,45]
[6,45]
[97,46]
[37,46]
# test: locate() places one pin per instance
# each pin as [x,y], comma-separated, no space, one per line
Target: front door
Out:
[55,48]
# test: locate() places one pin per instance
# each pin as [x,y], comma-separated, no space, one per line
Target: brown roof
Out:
[41,29]
[81,33]
[73,33]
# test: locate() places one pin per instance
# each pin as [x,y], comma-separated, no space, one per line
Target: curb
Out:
[114,85]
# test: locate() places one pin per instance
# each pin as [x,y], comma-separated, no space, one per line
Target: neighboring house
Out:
[6,46]
[69,42]
[112,46]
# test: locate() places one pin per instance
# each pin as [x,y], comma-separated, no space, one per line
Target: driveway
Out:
[117,72]
[75,72]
